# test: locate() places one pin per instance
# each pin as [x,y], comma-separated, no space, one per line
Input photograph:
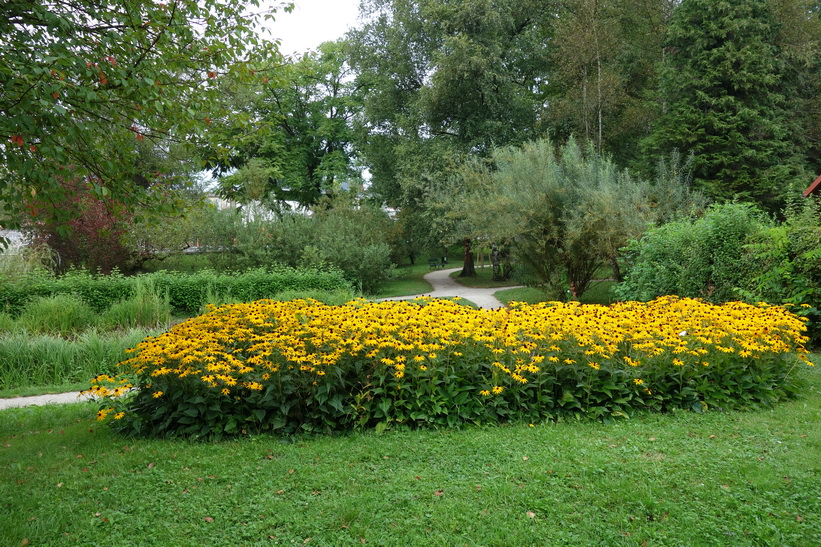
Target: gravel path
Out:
[443,286]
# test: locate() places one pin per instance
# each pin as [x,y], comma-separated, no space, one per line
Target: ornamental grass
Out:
[306,366]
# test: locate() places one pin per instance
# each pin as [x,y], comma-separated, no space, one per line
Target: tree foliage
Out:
[83,82]
[468,73]
[726,101]
[566,210]
[304,145]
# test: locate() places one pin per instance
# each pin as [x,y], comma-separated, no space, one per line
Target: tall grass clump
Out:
[148,308]
[27,361]
[60,314]
[7,323]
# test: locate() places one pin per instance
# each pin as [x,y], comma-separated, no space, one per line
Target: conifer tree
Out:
[725,100]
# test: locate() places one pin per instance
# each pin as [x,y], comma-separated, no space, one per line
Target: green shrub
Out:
[186,292]
[786,260]
[58,314]
[329,298]
[701,258]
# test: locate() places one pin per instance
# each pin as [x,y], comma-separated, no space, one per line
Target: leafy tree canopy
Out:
[83,82]
[303,147]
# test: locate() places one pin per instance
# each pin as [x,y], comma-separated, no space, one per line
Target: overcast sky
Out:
[313,22]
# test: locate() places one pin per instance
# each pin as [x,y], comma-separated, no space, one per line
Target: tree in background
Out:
[303,147]
[445,80]
[566,210]
[605,56]
[83,82]
[93,239]
[725,99]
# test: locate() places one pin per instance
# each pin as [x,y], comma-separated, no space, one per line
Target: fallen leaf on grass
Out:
[798,518]
[531,514]
[150,465]
[209,519]
[439,493]
[524,458]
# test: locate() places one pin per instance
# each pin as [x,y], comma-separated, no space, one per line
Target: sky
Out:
[312,22]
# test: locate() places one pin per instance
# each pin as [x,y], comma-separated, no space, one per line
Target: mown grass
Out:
[735,478]
[598,293]
[406,281]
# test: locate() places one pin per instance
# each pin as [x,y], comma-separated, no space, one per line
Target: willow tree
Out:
[567,210]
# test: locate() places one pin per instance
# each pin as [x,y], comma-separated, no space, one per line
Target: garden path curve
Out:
[443,286]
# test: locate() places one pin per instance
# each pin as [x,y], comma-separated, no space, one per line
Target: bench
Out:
[435,263]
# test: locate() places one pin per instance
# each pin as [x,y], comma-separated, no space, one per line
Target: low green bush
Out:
[187,293]
[786,259]
[330,298]
[698,258]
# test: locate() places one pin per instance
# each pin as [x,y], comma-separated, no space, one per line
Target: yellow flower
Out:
[157,394]
[102,413]
[484,393]
[638,381]
[497,389]
[119,415]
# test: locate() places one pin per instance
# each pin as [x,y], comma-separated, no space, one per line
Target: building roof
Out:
[815,187]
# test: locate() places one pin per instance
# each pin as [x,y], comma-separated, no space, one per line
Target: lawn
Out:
[739,478]
[598,293]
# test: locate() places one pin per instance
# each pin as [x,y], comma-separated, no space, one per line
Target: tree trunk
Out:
[496,263]
[468,270]
[616,270]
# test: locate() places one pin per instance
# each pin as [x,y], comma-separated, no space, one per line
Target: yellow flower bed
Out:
[245,353]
